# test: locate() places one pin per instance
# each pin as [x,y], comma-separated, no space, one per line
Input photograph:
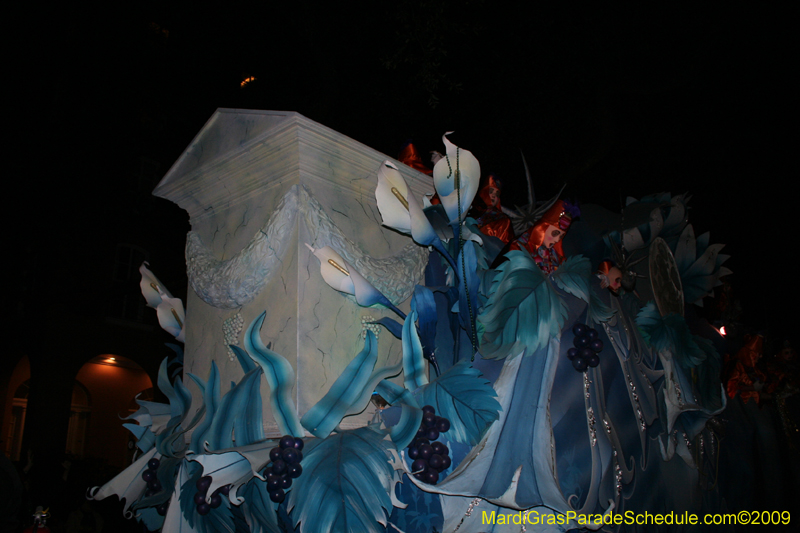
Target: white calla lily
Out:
[456,178]
[399,208]
[171,317]
[341,276]
[152,289]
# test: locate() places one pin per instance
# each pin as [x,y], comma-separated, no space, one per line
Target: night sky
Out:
[615,102]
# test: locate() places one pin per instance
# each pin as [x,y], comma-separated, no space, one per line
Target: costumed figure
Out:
[543,239]
[490,217]
[610,276]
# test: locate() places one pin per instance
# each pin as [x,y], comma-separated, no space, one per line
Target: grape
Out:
[286,482]
[420,476]
[425,451]
[154,485]
[275,454]
[273,482]
[579,329]
[277,496]
[295,470]
[413,452]
[422,430]
[278,467]
[203,483]
[203,509]
[443,425]
[586,353]
[592,334]
[436,462]
[431,477]
[199,498]
[290,455]
[594,361]
[579,364]
[438,447]
[429,420]
[153,464]
[148,493]
[418,465]
[428,409]
[225,489]
[216,501]
[148,475]
[162,509]
[287,441]
[299,456]
[581,342]
[596,345]
[433,434]
[421,441]
[298,444]
[571,353]
[446,462]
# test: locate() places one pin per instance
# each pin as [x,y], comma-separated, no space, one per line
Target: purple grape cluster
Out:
[430,456]
[587,346]
[150,475]
[204,507]
[285,467]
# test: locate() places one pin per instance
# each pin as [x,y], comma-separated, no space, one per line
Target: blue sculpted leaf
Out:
[405,430]
[228,468]
[523,309]
[670,333]
[345,484]
[258,510]
[326,414]
[239,414]
[211,401]
[280,377]
[597,311]
[128,485]
[573,277]
[244,360]
[392,325]
[424,304]
[466,399]
[413,362]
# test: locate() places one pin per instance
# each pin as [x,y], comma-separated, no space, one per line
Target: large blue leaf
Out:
[573,277]
[465,398]
[280,377]
[413,362]
[326,414]
[392,325]
[346,484]
[406,429]
[670,333]
[523,309]
[258,510]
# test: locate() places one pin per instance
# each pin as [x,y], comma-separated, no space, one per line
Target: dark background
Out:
[613,101]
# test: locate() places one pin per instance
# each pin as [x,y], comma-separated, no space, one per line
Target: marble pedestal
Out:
[258,185]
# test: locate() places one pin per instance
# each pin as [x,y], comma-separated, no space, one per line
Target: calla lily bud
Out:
[399,208]
[456,175]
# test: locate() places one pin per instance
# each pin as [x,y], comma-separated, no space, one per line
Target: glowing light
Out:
[248,80]
[722,330]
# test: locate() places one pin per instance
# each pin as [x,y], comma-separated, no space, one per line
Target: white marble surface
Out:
[230,180]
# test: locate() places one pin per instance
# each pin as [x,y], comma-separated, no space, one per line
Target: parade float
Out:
[360,356]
